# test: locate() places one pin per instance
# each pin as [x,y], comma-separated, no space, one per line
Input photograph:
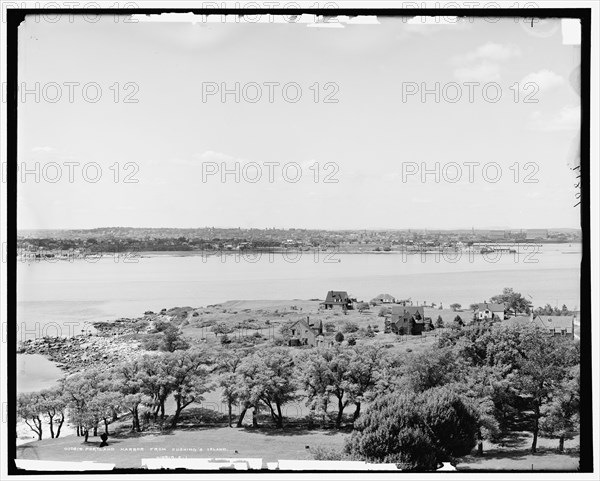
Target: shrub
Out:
[339,337]
[329,326]
[350,327]
[326,453]
[416,431]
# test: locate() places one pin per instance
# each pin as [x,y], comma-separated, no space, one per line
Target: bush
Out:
[350,327]
[351,341]
[329,326]
[416,431]
[339,337]
[325,453]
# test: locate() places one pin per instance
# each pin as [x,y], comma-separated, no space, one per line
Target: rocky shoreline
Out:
[73,354]
[114,341]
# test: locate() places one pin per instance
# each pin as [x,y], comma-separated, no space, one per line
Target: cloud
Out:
[491,51]
[482,64]
[568,118]
[544,79]
[212,156]
[481,72]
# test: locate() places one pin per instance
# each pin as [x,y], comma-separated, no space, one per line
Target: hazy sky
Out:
[369,138]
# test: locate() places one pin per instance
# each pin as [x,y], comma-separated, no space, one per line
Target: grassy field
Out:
[127,450]
[514,454]
[271,315]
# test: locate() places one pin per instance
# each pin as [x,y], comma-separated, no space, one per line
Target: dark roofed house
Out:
[337,299]
[556,325]
[305,333]
[408,320]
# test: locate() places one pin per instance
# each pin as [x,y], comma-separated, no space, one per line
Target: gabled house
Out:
[383,299]
[487,310]
[556,325]
[337,299]
[409,320]
[305,333]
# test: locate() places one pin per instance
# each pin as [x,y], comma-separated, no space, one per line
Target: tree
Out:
[543,368]
[227,366]
[458,322]
[364,374]
[339,337]
[267,377]
[53,405]
[221,328]
[313,372]
[420,372]
[80,389]
[512,300]
[439,323]
[172,340]
[129,380]
[560,417]
[415,431]
[156,382]
[455,307]
[29,410]
[189,370]
[534,366]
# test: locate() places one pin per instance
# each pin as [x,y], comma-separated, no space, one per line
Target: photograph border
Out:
[16,16]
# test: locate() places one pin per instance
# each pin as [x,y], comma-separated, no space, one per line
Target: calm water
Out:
[59,297]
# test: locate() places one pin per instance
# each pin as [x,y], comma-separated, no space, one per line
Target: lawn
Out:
[127,450]
[270,444]
[514,454]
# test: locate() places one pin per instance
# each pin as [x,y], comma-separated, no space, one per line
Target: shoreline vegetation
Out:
[140,376]
[133,251]
[209,241]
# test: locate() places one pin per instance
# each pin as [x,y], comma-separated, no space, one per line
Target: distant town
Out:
[207,239]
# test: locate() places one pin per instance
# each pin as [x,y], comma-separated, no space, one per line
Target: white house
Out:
[487,310]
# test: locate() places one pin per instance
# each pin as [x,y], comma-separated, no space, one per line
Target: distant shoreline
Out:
[506,247]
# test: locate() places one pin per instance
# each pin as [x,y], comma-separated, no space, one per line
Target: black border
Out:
[16,16]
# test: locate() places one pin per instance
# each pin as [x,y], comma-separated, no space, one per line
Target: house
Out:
[337,299]
[305,333]
[556,325]
[487,310]
[409,320]
[383,299]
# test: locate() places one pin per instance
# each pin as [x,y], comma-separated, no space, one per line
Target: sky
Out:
[125,124]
